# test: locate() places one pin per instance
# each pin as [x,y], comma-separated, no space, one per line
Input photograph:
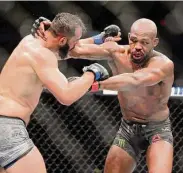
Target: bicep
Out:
[152,76]
[52,79]
[45,65]
[155,72]
[148,77]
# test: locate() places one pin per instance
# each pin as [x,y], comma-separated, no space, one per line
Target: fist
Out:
[39,26]
[98,70]
[112,33]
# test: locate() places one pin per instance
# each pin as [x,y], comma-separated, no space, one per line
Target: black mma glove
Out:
[98,70]
[36,25]
[109,31]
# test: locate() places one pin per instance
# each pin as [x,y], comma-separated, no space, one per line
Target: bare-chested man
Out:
[143,78]
[32,66]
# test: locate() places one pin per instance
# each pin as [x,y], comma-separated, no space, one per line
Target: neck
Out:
[44,43]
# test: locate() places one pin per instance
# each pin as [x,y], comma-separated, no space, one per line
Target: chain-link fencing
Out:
[76,139]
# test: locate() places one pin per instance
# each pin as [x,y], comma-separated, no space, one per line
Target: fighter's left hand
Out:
[39,27]
[112,33]
[115,39]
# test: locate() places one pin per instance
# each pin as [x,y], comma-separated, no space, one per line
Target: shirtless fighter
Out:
[32,66]
[143,78]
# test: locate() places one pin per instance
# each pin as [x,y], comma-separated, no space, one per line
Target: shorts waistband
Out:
[129,122]
[8,118]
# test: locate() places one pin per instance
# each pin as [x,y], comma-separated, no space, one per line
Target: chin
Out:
[138,60]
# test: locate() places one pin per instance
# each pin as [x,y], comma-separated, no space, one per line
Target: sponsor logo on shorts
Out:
[120,142]
[96,170]
[166,129]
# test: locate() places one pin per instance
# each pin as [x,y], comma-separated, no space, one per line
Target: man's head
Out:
[65,31]
[142,39]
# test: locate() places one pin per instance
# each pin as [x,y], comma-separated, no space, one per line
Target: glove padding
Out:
[109,31]
[98,70]
[36,25]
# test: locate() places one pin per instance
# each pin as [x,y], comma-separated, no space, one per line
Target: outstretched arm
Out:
[86,48]
[112,31]
[45,65]
[99,52]
[149,76]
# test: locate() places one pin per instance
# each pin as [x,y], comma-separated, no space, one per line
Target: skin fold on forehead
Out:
[144,27]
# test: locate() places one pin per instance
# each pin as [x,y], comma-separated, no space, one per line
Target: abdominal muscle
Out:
[143,109]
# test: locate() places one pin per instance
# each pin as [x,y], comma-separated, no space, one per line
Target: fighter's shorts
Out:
[136,137]
[14,140]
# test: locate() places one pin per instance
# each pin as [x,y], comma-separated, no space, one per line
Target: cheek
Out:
[147,49]
[132,45]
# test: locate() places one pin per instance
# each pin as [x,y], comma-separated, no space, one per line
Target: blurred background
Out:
[16,19]
[76,139]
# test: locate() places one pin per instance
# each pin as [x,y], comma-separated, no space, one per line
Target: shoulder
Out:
[34,52]
[162,63]
[162,60]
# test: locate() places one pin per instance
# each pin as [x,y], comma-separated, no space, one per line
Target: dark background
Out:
[16,19]
[76,139]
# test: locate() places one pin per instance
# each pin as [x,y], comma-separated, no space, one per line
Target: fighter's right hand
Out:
[98,70]
[39,26]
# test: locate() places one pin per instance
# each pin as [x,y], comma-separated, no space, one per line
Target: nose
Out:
[138,46]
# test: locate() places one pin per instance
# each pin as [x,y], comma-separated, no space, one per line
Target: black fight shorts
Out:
[136,137]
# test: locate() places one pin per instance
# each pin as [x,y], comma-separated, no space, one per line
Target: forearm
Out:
[89,40]
[123,82]
[90,51]
[77,88]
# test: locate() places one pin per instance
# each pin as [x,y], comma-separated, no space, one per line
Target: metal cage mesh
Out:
[76,139]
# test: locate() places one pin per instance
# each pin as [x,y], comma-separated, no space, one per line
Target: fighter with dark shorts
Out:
[143,78]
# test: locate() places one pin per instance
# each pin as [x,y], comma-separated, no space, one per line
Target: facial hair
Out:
[139,61]
[63,51]
[143,60]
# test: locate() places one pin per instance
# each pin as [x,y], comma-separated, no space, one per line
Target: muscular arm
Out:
[46,67]
[89,40]
[96,52]
[153,74]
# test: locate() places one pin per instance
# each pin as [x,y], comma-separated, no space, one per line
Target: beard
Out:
[139,61]
[143,59]
[63,51]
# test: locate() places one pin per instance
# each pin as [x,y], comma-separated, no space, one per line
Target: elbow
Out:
[66,102]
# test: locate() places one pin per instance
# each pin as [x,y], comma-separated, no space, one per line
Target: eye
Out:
[145,42]
[133,40]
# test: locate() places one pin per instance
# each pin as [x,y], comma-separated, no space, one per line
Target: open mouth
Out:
[137,55]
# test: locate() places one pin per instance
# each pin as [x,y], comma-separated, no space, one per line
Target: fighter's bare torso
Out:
[145,103]
[20,88]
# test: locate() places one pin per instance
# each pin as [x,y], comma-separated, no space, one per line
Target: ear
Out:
[156,41]
[128,35]
[62,41]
